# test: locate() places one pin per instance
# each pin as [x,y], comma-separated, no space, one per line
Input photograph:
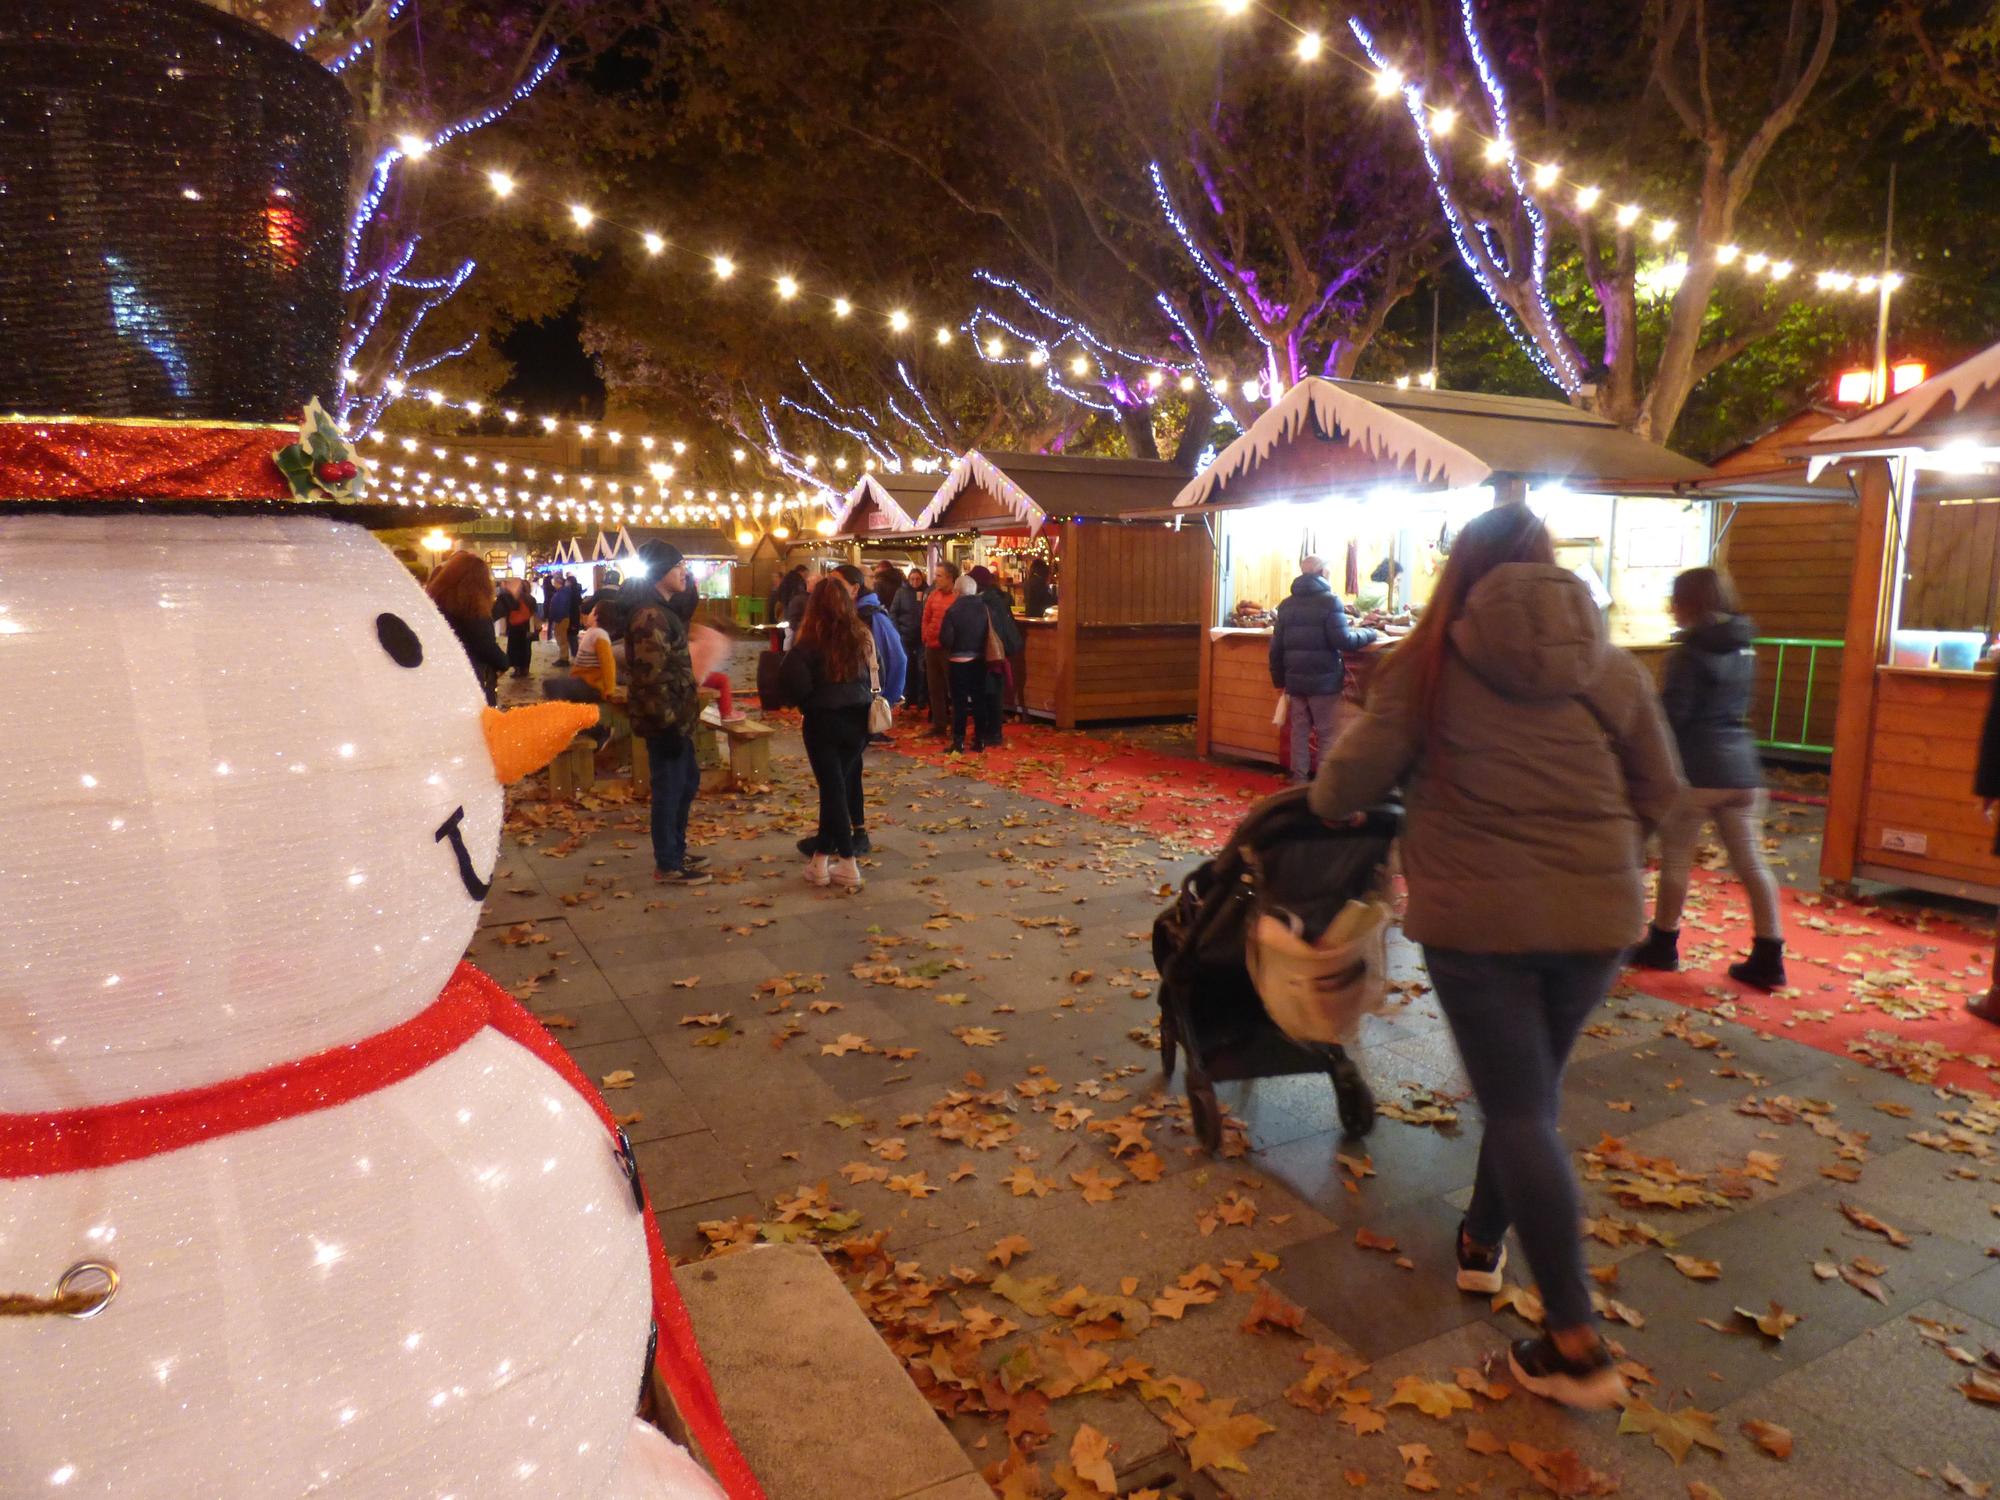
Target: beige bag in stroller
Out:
[1318,992]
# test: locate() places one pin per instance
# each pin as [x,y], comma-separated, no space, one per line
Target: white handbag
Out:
[1318,992]
[881,714]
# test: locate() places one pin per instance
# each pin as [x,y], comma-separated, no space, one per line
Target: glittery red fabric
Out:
[39,1145]
[140,461]
[78,1140]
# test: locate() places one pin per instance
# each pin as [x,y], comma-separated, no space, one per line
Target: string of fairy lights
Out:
[1543,182]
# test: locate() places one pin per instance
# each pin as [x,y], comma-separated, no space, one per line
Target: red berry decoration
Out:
[335,472]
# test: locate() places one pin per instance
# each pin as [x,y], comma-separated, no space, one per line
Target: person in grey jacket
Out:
[1706,694]
[1310,643]
[1534,760]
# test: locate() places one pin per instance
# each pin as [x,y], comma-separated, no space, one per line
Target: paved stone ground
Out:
[1029,923]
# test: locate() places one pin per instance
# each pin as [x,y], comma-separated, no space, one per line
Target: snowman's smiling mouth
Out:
[474,886]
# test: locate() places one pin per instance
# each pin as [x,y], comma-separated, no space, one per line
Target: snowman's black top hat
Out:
[172,197]
[173,223]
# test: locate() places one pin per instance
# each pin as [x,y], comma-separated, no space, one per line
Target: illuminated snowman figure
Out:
[365,1243]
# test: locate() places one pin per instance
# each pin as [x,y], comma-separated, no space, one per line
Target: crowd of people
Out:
[1533,760]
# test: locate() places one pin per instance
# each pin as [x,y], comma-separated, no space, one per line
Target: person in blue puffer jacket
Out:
[894,660]
[1308,649]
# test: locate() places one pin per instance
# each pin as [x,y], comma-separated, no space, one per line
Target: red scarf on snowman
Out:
[77,1140]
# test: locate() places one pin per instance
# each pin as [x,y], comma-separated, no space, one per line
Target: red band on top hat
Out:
[98,459]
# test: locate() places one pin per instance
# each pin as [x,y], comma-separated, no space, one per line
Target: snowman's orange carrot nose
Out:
[523,740]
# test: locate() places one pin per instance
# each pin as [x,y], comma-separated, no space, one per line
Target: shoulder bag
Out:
[880,714]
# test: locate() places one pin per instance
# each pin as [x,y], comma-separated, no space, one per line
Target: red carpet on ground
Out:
[1882,985]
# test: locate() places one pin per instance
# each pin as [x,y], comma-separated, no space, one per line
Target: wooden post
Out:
[1077,584]
[1510,489]
[1854,721]
[1204,681]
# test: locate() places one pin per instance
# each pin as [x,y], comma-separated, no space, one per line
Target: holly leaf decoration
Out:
[321,465]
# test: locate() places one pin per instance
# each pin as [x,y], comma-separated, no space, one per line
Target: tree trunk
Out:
[1200,428]
[1137,424]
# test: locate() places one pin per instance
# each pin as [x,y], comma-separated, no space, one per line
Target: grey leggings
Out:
[1515,1017]
[1738,815]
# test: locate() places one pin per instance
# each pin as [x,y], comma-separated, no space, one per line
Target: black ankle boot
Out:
[1764,969]
[1661,950]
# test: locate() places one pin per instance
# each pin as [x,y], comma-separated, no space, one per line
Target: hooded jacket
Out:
[1311,638]
[888,645]
[1528,803]
[1706,694]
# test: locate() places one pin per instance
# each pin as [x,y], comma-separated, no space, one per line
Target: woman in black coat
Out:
[962,637]
[1706,694]
[1010,684]
[462,589]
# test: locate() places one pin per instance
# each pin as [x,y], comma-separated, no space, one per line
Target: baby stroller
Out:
[1281,860]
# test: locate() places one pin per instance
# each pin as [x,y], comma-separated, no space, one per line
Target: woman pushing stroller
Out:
[1534,761]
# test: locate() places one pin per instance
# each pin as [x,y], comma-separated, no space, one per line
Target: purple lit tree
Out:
[422,77]
[1682,101]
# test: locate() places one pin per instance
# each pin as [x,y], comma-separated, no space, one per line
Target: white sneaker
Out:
[816,872]
[847,875]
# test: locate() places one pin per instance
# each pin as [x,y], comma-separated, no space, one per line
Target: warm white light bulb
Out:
[1155,379]
[1037,358]
[1780,269]
[413,146]
[1387,81]
[738,454]
[1444,121]
[501,183]
[1187,382]
[654,243]
[724,267]
[943,335]
[787,288]
[993,348]
[1233,7]
[580,215]
[1726,254]
[679,447]
[1755,263]
[1496,151]
[1586,198]
[1663,230]
[899,320]
[842,307]
[1079,366]
[1310,45]
[1627,215]
[1249,390]
[1547,175]
[1221,384]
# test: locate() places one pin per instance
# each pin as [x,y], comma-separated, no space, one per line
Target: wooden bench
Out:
[818,1404]
[749,751]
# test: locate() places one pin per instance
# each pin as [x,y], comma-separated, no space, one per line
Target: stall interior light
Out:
[1852,387]
[1911,372]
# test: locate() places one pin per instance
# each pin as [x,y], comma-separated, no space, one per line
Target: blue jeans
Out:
[1515,1017]
[675,776]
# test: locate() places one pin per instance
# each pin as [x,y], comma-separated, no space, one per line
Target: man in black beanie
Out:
[663,703]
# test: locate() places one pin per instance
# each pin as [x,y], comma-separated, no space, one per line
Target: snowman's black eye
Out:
[401,642]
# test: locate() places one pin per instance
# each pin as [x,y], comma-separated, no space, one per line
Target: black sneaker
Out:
[862,843]
[695,861]
[1480,1268]
[682,876]
[1590,1384]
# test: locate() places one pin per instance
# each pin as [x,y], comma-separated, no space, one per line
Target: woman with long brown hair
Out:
[1534,760]
[826,673]
[462,589]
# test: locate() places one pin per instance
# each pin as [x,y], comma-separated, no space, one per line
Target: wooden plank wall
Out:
[1141,672]
[1241,699]
[1793,565]
[1136,573]
[1925,747]
[1043,653]
[1953,580]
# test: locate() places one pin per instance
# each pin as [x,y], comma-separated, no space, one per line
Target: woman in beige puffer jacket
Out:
[1534,760]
